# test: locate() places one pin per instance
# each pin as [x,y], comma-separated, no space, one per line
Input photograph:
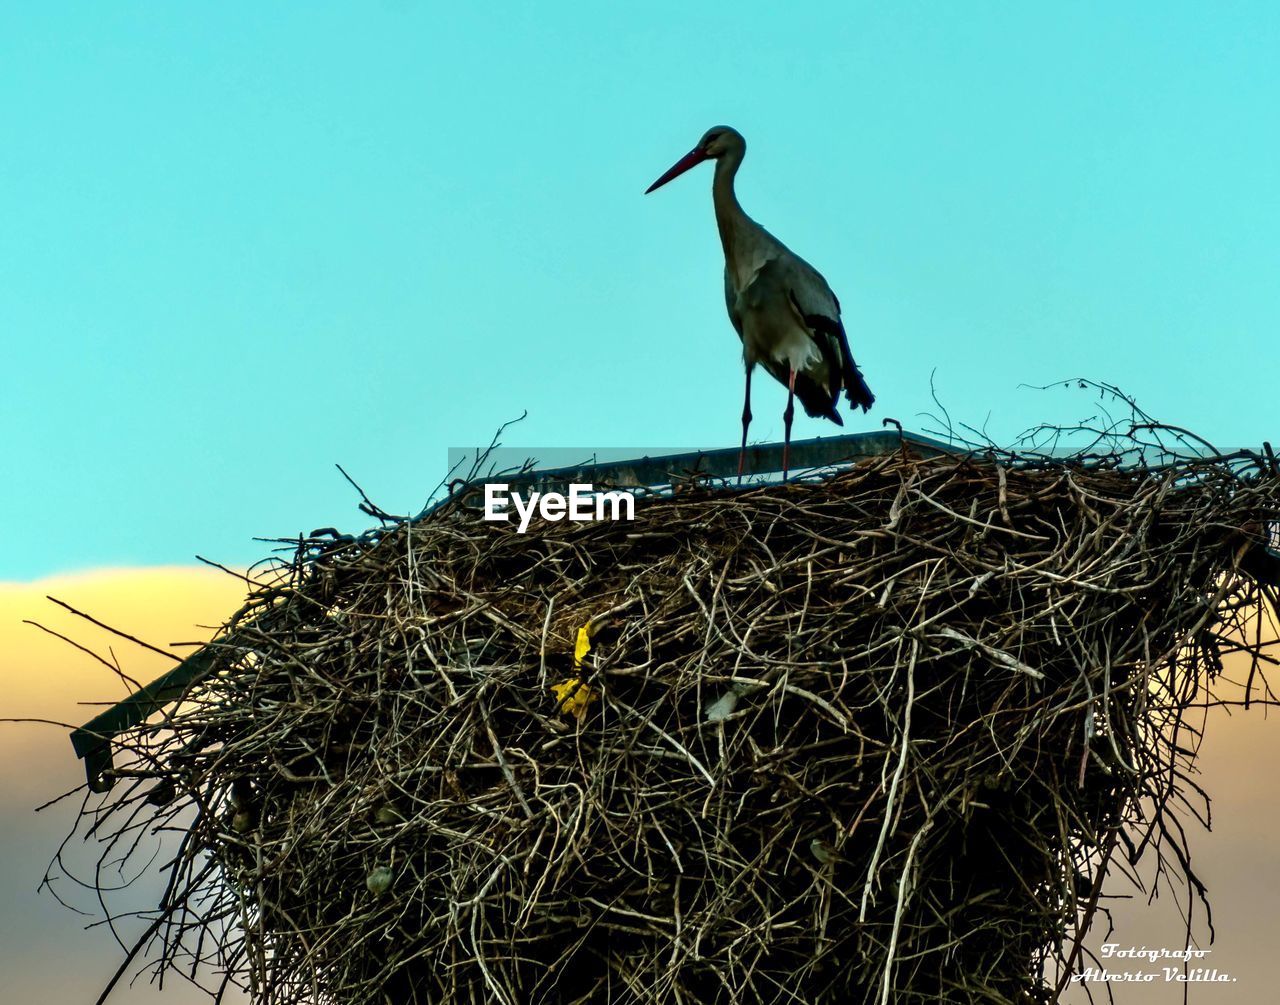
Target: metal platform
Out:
[808,458]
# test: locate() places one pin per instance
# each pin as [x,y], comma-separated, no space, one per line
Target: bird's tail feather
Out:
[855,388]
[817,400]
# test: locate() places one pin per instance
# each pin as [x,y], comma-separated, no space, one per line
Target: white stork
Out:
[783,310]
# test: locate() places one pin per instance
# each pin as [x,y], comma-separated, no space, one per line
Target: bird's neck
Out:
[731,221]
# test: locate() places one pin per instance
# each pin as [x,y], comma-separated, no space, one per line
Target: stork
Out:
[782,309]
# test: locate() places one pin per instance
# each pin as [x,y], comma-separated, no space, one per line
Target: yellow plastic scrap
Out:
[573,695]
[582,646]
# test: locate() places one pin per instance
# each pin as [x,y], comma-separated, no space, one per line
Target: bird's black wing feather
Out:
[819,400]
[855,387]
[815,398]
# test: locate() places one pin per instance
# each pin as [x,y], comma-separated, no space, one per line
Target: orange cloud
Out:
[46,678]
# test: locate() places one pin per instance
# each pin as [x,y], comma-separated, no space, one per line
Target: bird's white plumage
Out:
[768,303]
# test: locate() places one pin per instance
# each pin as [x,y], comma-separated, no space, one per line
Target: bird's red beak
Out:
[695,156]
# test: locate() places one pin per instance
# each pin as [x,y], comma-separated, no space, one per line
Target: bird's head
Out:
[716,142]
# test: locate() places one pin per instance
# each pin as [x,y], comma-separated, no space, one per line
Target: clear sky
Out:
[243,242]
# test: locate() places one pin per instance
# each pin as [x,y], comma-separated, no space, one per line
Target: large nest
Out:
[877,737]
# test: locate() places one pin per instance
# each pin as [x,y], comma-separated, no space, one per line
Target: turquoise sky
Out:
[245,241]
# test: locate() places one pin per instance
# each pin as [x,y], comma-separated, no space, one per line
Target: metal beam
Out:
[761,459]
[92,741]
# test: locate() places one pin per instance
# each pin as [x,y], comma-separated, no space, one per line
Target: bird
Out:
[785,314]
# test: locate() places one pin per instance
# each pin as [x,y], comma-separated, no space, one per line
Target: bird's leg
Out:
[787,416]
[746,421]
